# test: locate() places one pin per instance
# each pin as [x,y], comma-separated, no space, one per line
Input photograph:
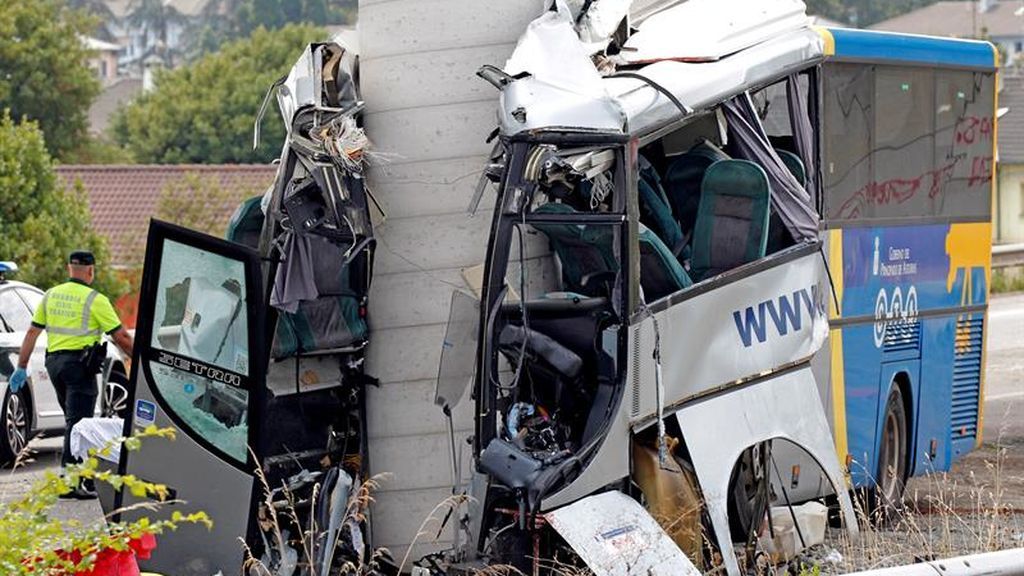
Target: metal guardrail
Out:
[1005,563]
[1005,255]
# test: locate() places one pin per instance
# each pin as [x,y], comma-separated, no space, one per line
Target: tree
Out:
[827,8]
[225,20]
[203,112]
[863,12]
[41,221]
[44,77]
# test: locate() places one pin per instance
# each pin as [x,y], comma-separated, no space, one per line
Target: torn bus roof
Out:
[705,30]
[557,84]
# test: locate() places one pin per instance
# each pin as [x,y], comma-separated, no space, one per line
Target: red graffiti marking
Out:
[981,171]
[973,129]
[896,190]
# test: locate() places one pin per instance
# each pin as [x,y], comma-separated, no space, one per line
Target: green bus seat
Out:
[586,251]
[583,251]
[794,164]
[334,321]
[732,220]
[655,210]
[683,179]
[661,273]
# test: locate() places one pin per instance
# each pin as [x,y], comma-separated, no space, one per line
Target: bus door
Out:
[197,371]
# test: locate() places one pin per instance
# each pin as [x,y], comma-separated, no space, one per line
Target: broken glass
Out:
[203,337]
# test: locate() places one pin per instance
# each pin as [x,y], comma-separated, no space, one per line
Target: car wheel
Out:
[115,395]
[892,456]
[14,412]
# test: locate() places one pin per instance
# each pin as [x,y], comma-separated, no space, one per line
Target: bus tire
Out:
[892,456]
[748,490]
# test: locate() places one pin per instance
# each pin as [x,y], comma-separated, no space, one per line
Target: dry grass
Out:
[271,521]
[943,515]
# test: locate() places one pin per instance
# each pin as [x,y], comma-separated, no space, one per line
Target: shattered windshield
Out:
[202,344]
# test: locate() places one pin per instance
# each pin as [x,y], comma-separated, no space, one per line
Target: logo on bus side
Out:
[893,309]
[786,313]
[200,369]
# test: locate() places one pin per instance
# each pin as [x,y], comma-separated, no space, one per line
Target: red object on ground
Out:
[117,563]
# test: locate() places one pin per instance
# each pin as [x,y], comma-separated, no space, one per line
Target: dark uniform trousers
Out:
[76,392]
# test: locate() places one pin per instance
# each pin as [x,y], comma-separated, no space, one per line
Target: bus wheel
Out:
[892,457]
[748,493]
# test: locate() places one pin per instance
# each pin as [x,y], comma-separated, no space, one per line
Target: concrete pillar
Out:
[430,115]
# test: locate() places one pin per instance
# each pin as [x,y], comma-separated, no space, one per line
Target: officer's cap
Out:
[82,258]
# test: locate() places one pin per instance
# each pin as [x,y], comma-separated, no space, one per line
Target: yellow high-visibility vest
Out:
[75,316]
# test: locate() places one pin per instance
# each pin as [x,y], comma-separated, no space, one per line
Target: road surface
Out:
[1004,381]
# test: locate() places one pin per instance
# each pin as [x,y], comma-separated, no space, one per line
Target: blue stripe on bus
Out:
[871,45]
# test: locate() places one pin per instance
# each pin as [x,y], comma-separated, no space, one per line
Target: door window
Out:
[200,339]
[15,314]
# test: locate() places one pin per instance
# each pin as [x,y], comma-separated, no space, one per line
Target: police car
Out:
[34,410]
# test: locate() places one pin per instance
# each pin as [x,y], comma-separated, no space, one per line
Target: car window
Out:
[14,312]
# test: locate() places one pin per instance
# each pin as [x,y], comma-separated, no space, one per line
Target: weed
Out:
[34,543]
[1008,280]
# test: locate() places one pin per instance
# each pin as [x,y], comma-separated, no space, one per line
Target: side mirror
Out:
[458,352]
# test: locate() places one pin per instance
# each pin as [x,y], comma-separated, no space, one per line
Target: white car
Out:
[34,409]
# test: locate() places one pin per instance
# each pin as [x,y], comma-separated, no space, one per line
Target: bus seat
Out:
[779,237]
[732,220]
[683,180]
[794,164]
[656,213]
[584,251]
[660,271]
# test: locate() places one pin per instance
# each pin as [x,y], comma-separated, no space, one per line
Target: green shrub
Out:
[33,543]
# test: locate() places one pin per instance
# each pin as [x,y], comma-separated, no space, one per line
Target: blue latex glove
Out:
[18,380]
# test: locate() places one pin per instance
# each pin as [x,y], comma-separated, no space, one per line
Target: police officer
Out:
[75,317]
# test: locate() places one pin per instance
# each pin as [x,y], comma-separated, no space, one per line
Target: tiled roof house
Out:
[122,198]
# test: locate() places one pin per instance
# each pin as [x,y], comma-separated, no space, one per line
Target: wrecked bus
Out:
[649,348]
[253,348]
[674,239]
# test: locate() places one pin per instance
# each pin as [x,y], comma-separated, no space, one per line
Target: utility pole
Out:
[974,19]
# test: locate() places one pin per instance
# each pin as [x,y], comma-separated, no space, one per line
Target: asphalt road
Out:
[1004,379]
[45,457]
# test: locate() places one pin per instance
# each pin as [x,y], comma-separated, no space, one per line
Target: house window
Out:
[103,69]
[1018,46]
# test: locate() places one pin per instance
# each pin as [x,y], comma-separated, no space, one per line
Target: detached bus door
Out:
[194,372]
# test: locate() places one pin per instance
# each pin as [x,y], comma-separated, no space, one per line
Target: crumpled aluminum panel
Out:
[717,430]
[615,536]
[713,29]
[565,90]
